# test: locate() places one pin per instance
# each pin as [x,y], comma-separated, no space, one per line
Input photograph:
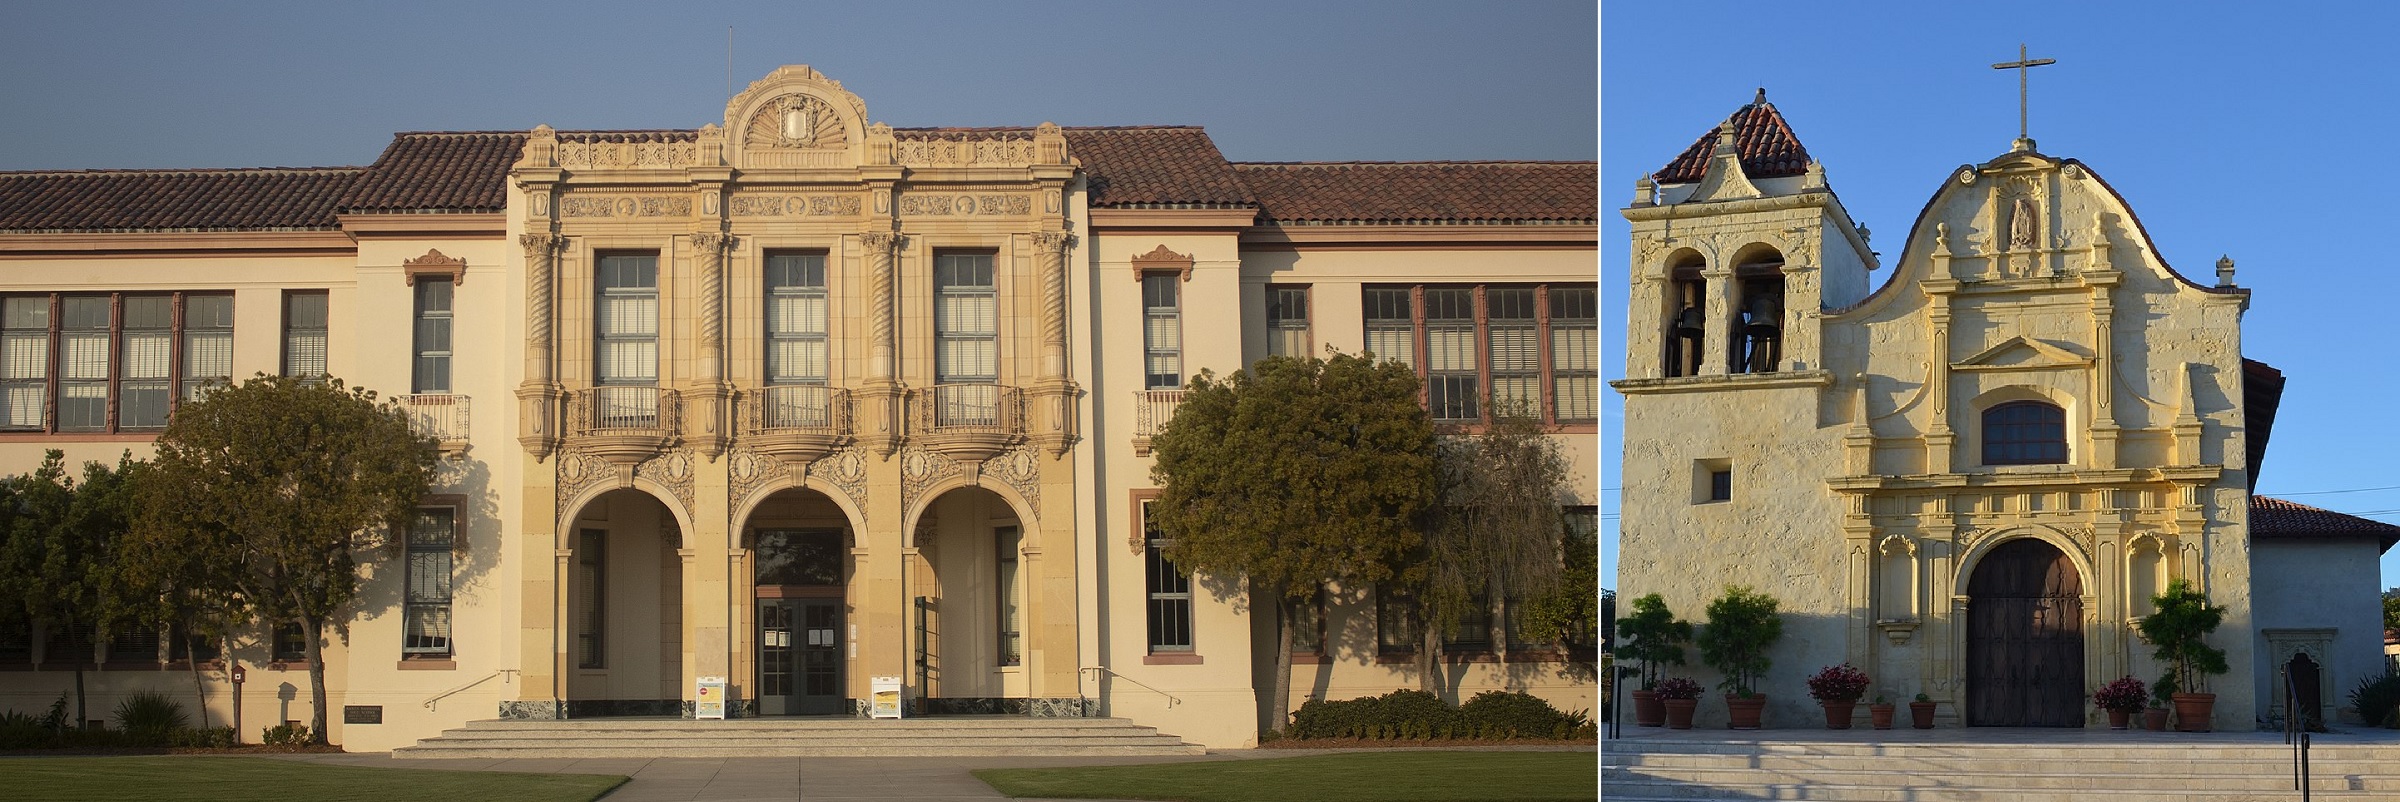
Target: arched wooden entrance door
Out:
[2025,638]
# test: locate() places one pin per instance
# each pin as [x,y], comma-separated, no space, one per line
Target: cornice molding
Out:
[478,225]
[1219,219]
[212,243]
[1577,235]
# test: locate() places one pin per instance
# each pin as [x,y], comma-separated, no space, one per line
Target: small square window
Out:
[1720,485]
[1712,481]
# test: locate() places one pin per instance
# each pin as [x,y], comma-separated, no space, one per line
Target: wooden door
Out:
[2025,638]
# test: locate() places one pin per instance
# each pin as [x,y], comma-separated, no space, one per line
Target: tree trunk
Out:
[1429,655]
[316,677]
[81,721]
[1281,707]
[191,657]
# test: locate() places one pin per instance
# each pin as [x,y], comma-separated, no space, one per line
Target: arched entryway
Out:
[800,564]
[969,614]
[2025,638]
[624,619]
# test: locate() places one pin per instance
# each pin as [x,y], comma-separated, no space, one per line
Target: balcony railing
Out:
[968,409]
[441,416]
[625,410]
[797,407]
[1151,411]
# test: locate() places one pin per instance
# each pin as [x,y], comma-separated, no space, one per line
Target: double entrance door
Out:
[800,656]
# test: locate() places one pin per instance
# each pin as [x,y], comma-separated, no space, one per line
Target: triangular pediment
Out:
[2023,352]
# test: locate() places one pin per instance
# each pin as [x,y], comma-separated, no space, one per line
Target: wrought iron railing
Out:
[441,416]
[796,407]
[625,410]
[968,408]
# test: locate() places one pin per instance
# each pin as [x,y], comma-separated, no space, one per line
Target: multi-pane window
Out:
[796,347]
[1473,629]
[431,538]
[1006,541]
[288,643]
[2024,433]
[1493,350]
[434,297]
[591,608]
[1287,321]
[97,363]
[1575,352]
[966,334]
[137,644]
[1308,624]
[626,320]
[1395,621]
[1162,333]
[1391,324]
[1451,373]
[1170,608]
[304,324]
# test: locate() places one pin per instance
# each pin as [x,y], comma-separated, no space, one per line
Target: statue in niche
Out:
[2022,219]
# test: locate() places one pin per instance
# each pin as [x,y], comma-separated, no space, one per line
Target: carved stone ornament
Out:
[434,263]
[674,470]
[921,469]
[747,470]
[1021,469]
[1161,259]
[796,121]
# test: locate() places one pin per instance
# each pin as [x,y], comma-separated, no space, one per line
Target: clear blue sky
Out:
[2256,130]
[92,85]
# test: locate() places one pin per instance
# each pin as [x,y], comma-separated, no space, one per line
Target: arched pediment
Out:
[796,118]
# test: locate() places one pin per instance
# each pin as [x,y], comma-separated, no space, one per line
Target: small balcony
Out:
[1151,411]
[796,423]
[969,422]
[441,416]
[624,424]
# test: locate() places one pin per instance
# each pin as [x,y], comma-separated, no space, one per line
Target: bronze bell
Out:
[1765,318]
[1688,323]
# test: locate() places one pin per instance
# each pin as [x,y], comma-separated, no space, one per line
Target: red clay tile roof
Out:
[441,171]
[1767,146]
[1425,192]
[2262,393]
[1174,166]
[264,199]
[2277,518]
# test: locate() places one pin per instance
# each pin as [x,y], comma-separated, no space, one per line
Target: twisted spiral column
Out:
[1052,246]
[712,248]
[541,261]
[879,292]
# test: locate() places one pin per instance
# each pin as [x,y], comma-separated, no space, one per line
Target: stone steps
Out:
[2204,771]
[798,737]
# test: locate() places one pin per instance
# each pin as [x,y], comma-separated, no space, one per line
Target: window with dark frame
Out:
[431,373]
[290,643]
[1170,592]
[797,352]
[1512,336]
[1287,321]
[1720,484]
[1575,353]
[138,644]
[591,575]
[145,373]
[83,360]
[2024,433]
[1472,632]
[207,343]
[1491,349]
[106,363]
[1391,324]
[1006,541]
[305,322]
[966,330]
[626,320]
[1451,387]
[432,537]
[1395,622]
[1162,332]
[1308,624]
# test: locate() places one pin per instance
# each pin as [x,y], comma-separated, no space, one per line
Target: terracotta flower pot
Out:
[1679,712]
[2117,718]
[1745,713]
[2154,719]
[1838,713]
[1881,715]
[2193,710]
[1647,712]
[1921,714]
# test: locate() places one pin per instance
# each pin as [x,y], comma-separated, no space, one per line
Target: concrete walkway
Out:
[806,779]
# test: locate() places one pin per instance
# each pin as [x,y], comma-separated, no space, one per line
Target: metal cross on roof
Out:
[2024,141]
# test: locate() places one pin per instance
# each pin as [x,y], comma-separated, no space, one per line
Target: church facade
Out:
[795,399]
[1967,468]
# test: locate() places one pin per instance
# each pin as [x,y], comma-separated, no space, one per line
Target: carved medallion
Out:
[1021,468]
[796,121]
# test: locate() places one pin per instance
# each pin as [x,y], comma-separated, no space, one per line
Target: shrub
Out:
[1742,626]
[148,718]
[2180,629]
[210,738]
[1842,683]
[284,735]
[1504,714]
[1416,715]
[1653,637]
[1677,688]
[2126,695]
[2377,700]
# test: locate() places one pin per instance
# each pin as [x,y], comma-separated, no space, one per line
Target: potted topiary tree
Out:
[2154,718]
[1742,626]
[1652,637]
[1880,713]
[2180,630]
[2121,699]
[1920,712]
[1837,688]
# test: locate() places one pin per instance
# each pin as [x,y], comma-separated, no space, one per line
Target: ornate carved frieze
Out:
[434,263]
[1021,469]
[597,155]
[796,121]
[926,205]
[1163,259]
[934,150]
[674,470]
[620,206]
[745,471]
[797,205]
[578,471]
[921,469]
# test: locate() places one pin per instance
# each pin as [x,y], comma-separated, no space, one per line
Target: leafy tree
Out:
[1742,625]
[291,478]
[184,579]
[1653,636]
[2391,609]
[2180,629]
[1291,475]
[55,565]
[1496,532]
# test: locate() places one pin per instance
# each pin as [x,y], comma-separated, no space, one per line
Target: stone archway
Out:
[2025,638]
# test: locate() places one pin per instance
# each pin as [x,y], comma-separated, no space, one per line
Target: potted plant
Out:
[1920,712]
[1742,626]
[2180,630]
[1837,688]
[2121,699]
[1652,637]
[2154,718]
[1880,713]
[1679,695]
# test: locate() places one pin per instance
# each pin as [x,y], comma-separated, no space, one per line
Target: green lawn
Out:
[217,779]
[1397,776]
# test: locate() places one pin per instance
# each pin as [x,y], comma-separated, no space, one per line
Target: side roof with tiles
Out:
[1425,192]
[264,199]
[438,171]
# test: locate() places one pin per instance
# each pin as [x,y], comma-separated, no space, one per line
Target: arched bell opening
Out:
[969,615]
[1757,320]
[800,556]
[1685,315]
[624,622]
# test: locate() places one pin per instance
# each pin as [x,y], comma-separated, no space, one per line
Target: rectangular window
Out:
[290,643]
[591,578]
[796,346]
[207,342]
[1514,351]
[1308,624]
[304,323]
[1391,325]
[83,363]
[138,644]
[626,320]
[1575,353]
[1472,632]
[1162,333]
[1450,365]
[431,538]
[434,298]
[1170,593]
[25,377]
[1395,622]
[145,380]
[1287,321]
[966,334]
[1006,541]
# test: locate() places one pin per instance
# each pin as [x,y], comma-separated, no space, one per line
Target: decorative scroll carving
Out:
[578,471]
[434,263]
[1021,469]
[1162,259]
[797,206]
[935,150]
[625,207]
[847,469]
[921,469]
[745,472]
[756,206]
[966,205]
[674,470]
[596,155]
[796,121]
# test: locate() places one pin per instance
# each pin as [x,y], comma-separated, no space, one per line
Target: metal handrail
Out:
[1171,700]
[625,408]
[2292,725]
[797,407]
[964,408]
[478,681]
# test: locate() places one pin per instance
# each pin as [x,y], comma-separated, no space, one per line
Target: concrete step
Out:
[2220,770]
[828,750]
[777,737]
[2075,777]
[1998,764]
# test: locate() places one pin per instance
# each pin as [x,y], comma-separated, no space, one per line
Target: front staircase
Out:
[799,737]
[2129,767]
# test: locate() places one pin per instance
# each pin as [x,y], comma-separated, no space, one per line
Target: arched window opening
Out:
[1687,316]
[2024,433]
[1757,319]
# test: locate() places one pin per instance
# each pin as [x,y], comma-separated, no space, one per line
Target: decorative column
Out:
[709,389]
[537,396]
[878,402]
[1053,412]
[1717,348]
